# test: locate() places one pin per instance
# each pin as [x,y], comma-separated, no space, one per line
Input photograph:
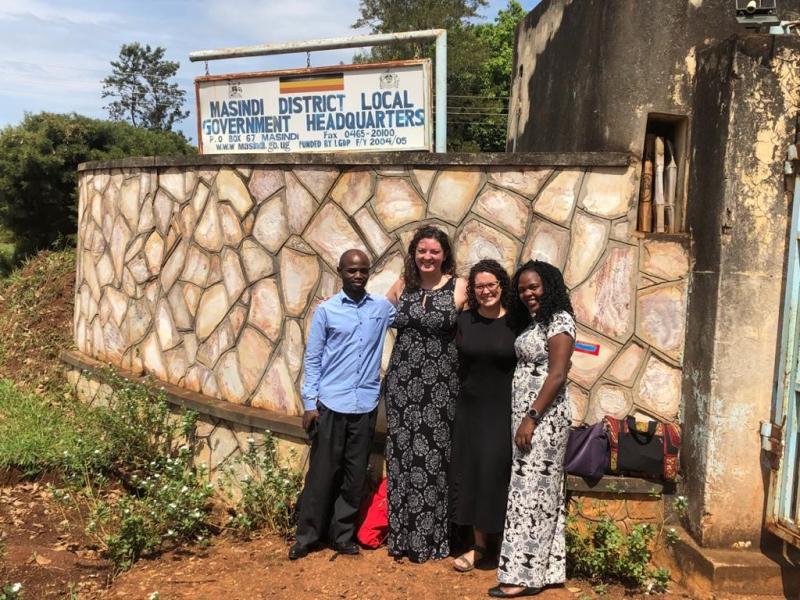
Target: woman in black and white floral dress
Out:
[420,389]
[533,553]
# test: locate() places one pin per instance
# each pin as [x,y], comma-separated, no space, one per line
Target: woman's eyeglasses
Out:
[489,287]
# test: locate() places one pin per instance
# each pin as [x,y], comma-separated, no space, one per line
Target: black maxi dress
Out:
[482,442]
[420,389]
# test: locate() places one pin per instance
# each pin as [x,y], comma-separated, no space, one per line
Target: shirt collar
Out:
[345,299]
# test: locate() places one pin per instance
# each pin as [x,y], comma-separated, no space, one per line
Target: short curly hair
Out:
[411,277]
[489,265]
[555,298]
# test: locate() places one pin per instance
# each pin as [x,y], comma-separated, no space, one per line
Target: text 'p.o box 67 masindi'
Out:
[350,108]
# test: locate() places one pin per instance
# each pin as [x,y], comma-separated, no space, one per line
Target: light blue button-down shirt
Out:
[343,353]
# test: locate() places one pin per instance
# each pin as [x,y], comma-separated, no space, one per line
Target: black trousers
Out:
[337,471]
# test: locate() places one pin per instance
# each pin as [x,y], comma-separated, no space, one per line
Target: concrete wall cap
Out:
[498,159]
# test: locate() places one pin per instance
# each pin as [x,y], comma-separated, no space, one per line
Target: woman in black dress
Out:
[420,389]
[481,462]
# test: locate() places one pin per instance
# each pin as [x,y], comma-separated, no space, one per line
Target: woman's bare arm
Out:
[559,352]
[460,294]
[393,295]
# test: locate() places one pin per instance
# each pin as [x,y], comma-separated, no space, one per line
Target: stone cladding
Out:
[206,276]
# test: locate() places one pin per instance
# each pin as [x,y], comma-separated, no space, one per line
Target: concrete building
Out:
[596,75]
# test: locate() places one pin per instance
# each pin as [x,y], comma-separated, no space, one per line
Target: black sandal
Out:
[469,565]
[498,592]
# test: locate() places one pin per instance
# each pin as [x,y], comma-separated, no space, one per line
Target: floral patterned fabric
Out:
[421,388]
[533,551]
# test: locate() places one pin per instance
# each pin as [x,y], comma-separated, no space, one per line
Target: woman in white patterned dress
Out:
[533,553]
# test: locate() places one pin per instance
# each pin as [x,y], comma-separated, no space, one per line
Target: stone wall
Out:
[205,272]
[225,432]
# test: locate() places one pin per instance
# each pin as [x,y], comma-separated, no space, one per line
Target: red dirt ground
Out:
[260,569]
[43,550]
[46,551]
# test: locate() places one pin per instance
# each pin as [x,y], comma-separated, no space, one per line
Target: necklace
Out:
[433,288]
[425,298]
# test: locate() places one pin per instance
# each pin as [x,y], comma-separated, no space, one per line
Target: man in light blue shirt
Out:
[340,395]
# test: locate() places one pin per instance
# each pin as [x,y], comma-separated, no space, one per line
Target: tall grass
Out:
[6,258]
[33,435]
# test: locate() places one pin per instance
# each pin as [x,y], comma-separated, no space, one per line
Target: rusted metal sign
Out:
[372,107]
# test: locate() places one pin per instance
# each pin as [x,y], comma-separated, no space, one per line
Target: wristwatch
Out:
[534,414]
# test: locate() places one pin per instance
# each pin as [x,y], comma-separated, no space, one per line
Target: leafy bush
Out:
[38,170]
[602,553]
[137,427]
[167,507]
[681,506]
[269,489]
[12,591]
[6,258]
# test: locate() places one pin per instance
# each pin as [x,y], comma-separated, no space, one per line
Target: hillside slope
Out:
[36,308]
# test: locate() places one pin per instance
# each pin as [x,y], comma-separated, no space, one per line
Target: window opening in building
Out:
[662,192]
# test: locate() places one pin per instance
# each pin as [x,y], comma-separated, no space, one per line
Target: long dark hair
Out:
[489,265]
[427,232]
[555,298]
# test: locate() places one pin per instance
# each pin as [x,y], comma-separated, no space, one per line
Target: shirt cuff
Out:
[310,404]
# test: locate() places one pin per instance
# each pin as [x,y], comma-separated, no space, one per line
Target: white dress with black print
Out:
[421,388]
[533,551]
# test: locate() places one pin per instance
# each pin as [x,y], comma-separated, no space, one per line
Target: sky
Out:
[54,53]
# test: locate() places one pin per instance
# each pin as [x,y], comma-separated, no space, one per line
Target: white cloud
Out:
[45,11]
[42,80]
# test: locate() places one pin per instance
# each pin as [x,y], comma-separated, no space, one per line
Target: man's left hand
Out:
[309,418]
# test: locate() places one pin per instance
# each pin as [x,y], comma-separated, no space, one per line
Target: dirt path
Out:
[259,568]
[47,551]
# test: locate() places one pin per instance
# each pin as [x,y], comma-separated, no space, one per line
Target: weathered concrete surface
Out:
[716,573]
[746,102]
[625,59]
[629,58]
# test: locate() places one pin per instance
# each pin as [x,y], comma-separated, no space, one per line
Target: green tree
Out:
[464,50]
[140,82]
[479,60]
[38,176]
[493,79]
[389,16]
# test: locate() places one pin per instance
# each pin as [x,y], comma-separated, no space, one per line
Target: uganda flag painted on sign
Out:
[328,82]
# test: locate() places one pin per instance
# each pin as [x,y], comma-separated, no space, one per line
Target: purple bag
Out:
[588,451]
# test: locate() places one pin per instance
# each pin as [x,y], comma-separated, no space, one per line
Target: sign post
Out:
[350,108]
[439,36]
